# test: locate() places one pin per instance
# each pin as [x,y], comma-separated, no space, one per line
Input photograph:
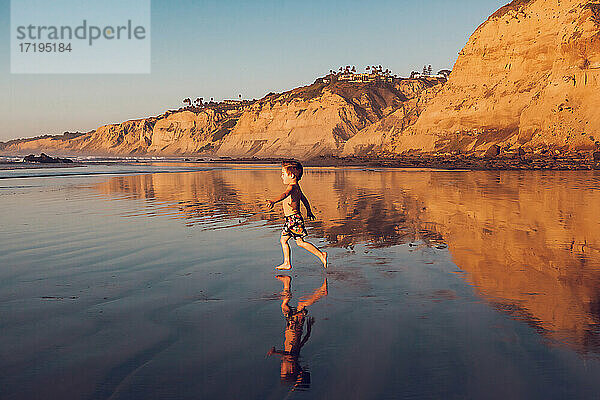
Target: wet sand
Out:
[160,284]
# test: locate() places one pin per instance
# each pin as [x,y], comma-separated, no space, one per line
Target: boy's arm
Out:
[309,324]
[282,196]
[309,213]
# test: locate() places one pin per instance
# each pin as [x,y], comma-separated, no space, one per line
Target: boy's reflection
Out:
[291,371]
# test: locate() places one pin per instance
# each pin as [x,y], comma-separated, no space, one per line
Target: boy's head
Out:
[292,169]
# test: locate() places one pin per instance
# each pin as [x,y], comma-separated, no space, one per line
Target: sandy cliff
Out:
[382,137]
[318,119]
[186,131]
[304,122]
[529,75]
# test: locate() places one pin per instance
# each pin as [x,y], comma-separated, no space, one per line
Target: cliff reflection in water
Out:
[529,242]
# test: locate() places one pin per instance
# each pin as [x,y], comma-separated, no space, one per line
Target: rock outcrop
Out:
[46,159]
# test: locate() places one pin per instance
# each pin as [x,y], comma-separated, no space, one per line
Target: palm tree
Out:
[187,101]
[354,68]
[197,101]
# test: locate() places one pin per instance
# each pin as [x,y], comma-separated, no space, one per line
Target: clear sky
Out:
[222,48]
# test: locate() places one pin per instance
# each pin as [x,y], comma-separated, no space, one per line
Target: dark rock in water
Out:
[187,159]
[46,159]
[493,151]
[596,156]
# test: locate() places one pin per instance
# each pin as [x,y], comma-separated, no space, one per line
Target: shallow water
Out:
[157,281]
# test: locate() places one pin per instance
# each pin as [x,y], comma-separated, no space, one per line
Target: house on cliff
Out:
[364,77]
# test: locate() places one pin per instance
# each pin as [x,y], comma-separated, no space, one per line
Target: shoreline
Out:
[10,165]
[503,162]
[450,162]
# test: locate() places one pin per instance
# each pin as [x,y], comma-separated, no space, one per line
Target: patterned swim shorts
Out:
[294,226]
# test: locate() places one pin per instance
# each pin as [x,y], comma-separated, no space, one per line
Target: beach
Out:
[156,280]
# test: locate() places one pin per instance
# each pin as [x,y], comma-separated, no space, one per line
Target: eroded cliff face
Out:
[129,137]
[384,136]
[311,121]
[181,132]
[305,122]
[188,132]
[529,76]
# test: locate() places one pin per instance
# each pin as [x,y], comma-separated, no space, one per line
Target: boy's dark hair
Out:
[293,167]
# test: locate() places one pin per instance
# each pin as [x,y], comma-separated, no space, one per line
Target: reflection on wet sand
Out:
[529,242]
[292,373]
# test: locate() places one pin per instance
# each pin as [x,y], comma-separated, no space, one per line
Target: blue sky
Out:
[222,48]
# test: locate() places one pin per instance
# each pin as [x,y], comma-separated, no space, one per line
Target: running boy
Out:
[291,173]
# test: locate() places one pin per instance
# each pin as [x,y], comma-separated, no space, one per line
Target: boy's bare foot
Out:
[284,267]
[324,259]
